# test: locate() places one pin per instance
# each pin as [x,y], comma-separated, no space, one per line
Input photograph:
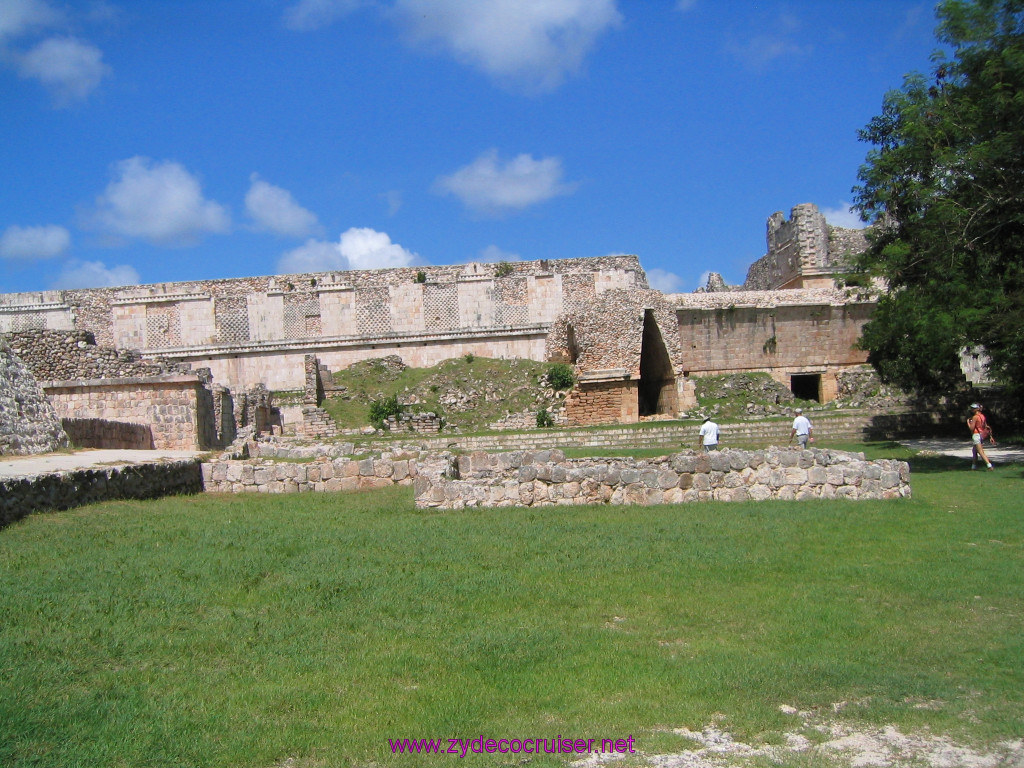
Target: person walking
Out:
[708,435]
[980,432]
[803,431]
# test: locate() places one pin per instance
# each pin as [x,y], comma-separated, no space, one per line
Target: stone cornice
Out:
[310,345]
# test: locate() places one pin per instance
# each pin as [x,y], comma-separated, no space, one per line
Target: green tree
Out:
[944,185]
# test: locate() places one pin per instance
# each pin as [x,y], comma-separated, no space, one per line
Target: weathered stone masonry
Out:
[544,478]
[258,330]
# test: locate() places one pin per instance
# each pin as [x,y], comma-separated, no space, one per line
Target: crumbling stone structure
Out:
[109,398]
[28,422]
[545,478]
[636,351]
[804,251]
[259,329]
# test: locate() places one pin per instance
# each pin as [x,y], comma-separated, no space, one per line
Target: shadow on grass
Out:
[930,463]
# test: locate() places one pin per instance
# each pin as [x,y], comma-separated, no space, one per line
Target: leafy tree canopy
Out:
[944,185]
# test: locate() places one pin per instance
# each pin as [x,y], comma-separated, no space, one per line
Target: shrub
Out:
[544,419]
[560,376]
[504,269]
[381,409]
[469,357]
[421,276]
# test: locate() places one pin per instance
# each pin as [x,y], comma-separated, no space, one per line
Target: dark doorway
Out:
[570,342]
[806,386]
[657,390]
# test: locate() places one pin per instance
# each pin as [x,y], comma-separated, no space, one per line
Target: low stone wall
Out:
[64,490]
[524,478]
[263,476]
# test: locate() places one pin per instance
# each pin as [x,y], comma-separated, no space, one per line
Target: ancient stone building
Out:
[637,353]
[258,330]
[146,356]
[804,251]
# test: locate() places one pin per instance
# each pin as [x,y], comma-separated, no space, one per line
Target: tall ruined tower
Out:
[804,251]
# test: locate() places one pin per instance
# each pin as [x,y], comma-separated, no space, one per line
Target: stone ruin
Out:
[636,352]
[547,478]
[28,422]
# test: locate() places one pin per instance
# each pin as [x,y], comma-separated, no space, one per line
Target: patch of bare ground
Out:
[825,743]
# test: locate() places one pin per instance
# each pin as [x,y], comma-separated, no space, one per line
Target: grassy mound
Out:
[468,392]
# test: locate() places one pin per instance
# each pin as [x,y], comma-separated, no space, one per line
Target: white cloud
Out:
[358,248]
[274,209]
[773,39]
[68,68]
[843,216]
[158,201]
[20,16]
[366,248]
[492,254]
[528,44]
[493,187]
[94,274]
[34,242]
[664,281]
[313,256]
[393,198]
[309,15]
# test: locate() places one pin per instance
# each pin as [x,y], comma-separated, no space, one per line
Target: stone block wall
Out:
[341,474]
[611,401]
[102,433]
[788,338]
[545,478]
[802,251]
[65,355]
[169,405]
[64,490]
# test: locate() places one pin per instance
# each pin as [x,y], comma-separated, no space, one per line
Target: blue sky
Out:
[150,141]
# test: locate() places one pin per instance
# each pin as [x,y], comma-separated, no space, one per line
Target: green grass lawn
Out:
[307,630]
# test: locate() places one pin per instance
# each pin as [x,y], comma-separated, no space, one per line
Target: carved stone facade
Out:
[636,351]
[259,329]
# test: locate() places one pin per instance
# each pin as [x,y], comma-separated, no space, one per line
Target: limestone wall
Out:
[785,338]
[544,478]
[341,474]
[175,408]
[258,329]
[69,354]
[64,490]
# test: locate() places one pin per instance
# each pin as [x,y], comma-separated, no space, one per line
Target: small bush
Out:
[504,269]
[469,357]
[544,419]
[381,409]
[421,276]
[560,376]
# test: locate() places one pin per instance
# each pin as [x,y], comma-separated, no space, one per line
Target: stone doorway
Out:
[657,390]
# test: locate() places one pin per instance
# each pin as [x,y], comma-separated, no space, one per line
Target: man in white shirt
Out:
[802,429]
[708,435]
